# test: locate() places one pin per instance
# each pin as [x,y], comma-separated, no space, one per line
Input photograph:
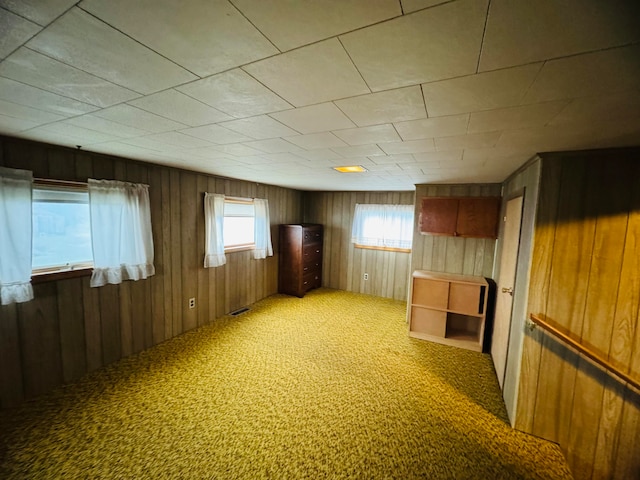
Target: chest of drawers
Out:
[300,264]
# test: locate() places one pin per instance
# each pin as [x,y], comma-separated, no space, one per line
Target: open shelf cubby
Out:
[448,308]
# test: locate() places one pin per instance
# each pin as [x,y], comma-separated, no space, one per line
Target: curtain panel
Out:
[120,232]
[389,226]
[214,228]
[15,235]
[263,247]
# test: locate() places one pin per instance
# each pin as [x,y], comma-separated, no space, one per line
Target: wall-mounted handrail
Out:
[584,350]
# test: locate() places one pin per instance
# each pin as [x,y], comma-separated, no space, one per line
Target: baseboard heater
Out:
[239,311]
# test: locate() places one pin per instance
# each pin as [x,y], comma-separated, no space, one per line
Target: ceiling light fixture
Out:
[351,169]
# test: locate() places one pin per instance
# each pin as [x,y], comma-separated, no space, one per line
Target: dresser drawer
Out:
[312,236]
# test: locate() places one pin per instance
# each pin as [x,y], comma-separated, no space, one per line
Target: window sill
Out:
[60,275]
[385,249]
[239,248]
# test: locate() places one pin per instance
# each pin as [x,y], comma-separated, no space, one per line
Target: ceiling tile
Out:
[273,145]
[525,32]
[177,106]
[317,140]
[29,96]
[238,150]
[320,154]
[535,115]
[433,127]
[293,24]
[313,74]
[14,125]
[135,117]
[364,135]
[411,146]
[83,41]
[14,31]
[483,91]
[235,93]
[385,107]
[315,118]
[37,70]
[99,124]
[188,33]
[441,157]
[409,6]
[598,73]
[477,140]
[22,112]
[216,134]
[601,108]
[393,54]
[359,150]
[259,128]
[39,11]
[178,139]
[83,136]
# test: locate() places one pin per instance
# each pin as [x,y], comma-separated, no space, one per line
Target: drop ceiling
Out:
[281,91]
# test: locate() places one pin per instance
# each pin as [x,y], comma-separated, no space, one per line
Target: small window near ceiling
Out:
[383,227]
[61,228]
[239,224]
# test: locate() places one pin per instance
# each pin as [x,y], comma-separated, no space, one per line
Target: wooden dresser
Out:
[300,266]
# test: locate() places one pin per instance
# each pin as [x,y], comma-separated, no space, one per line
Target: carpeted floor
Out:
[329,386]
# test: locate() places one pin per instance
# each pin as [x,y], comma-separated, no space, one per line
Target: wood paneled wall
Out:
[468,256]
[524,182]
[586,277]
[70,329]
[343,264]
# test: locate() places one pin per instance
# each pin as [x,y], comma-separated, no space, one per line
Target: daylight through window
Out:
[61,228]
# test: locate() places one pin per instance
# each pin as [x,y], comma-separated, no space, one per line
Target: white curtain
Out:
[214,227]
[120,232]
[15,236]
[383,226]
[263,248]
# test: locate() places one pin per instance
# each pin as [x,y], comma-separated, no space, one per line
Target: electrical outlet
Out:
[192,303]
[366,276]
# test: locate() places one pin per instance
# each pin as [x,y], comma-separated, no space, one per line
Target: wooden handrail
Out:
[584,350]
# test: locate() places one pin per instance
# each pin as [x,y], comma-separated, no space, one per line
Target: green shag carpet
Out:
[328,386]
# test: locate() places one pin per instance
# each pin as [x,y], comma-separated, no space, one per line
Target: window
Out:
[239,224]
[385,227]
[61,228]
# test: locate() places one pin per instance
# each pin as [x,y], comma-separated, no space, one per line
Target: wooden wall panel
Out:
[343,264]
[71,328]
[468,256]
[585,278]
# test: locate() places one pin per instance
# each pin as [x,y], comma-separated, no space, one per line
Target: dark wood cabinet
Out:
[460,216]
[300,265]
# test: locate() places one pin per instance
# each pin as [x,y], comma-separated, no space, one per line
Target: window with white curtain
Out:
[388,227]
[120,231]
[234,224]
[15,235]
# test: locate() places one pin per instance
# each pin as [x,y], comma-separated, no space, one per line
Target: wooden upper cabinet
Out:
[460,216]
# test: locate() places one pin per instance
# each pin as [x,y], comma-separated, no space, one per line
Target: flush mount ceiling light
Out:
[351,169]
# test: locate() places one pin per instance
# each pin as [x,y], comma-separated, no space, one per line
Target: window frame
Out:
[241,247]
[380,247]
[60,272]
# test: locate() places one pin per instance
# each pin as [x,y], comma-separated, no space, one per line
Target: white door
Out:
[506,282]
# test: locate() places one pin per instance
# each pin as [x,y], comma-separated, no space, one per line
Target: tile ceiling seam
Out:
[484,32]
[138,42]
[254,26]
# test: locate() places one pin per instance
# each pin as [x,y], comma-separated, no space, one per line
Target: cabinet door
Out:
[438,216]
[478,217]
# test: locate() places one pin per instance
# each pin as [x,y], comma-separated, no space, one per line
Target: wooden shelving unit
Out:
[448,308]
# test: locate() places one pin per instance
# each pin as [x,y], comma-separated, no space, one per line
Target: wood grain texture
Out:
[585,277]
[343,264]
[71,328]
